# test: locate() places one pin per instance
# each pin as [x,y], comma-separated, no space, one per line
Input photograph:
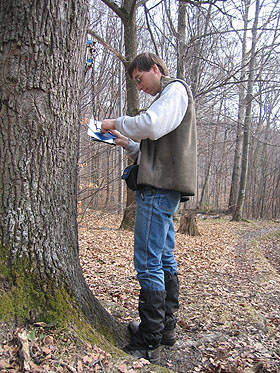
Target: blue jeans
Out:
[154,236]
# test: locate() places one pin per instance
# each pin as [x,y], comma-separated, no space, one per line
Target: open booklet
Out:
[94,131]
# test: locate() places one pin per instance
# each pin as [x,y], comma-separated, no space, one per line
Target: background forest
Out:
[228,52]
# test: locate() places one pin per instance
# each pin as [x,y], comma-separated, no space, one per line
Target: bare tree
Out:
[241,113]
[237,216]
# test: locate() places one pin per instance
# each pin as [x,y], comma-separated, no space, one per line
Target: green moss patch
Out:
[25,297]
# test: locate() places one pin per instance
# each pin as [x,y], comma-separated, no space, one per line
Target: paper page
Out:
[94,131]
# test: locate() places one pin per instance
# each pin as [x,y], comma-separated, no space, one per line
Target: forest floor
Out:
[229,317]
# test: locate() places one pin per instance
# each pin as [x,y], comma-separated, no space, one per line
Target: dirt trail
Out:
[250,342]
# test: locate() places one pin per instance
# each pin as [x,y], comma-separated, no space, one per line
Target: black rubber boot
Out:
[145,341]
[171,306]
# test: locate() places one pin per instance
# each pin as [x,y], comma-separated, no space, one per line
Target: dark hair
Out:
[144,61]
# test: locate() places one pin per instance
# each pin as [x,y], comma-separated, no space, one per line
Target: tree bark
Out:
[42,67]
[132,98]
[188,224]
[129,212]
[237,215]
[127,14]
[181,41]
[241,113]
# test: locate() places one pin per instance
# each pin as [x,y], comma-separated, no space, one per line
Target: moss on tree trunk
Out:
[25,299]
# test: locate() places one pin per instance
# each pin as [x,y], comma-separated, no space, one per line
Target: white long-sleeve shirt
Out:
[163,116]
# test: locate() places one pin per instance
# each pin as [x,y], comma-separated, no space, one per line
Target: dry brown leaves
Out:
[229,291]
[41,348]
[44,349]
[229,319]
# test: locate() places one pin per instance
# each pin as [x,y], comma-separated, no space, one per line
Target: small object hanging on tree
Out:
[89,54]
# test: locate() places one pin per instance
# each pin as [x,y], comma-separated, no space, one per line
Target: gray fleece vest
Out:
[170,162]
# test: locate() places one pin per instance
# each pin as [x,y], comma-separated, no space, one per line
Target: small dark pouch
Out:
[130,176]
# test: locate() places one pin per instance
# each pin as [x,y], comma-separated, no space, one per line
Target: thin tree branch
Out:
[174,31]
[154,6]
[201,2]
[115,8]
[107,46]
[149,29]
[141,2]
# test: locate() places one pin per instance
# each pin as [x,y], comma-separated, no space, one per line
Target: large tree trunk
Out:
[41,64]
